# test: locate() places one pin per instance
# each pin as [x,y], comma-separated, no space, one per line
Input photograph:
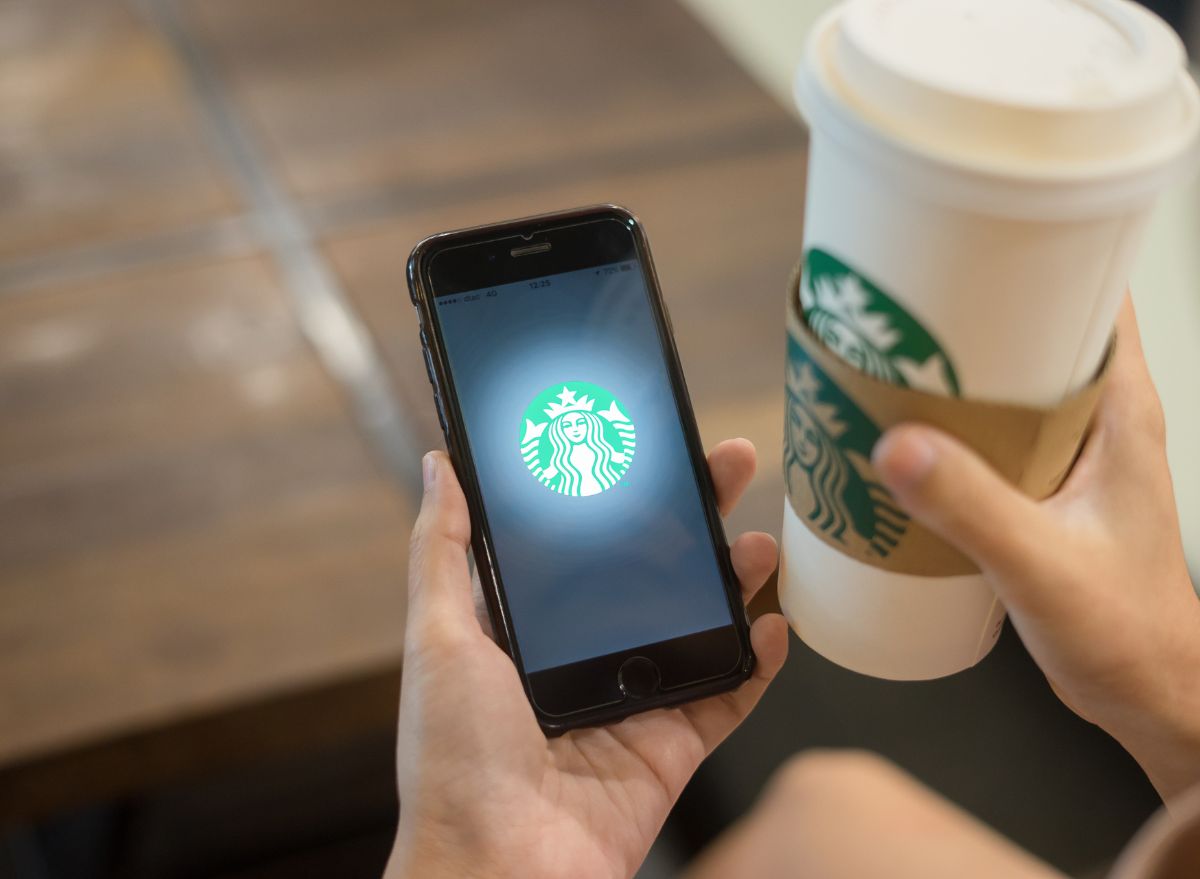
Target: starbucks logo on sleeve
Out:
[827,443]
[870,330]
[577,439]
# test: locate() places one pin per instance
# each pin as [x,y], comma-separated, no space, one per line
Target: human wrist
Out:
[1170,759]
[1163,733]
[404,865]
[427,853]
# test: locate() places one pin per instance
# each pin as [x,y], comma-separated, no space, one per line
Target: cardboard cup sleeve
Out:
[836,413]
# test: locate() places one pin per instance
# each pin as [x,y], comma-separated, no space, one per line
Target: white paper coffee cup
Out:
[979,176]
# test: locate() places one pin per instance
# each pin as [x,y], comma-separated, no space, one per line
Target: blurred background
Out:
[214,405]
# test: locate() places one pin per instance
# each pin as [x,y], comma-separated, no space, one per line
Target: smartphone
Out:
[595,531]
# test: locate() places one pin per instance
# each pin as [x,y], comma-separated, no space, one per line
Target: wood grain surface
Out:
[97,139]
[191,522]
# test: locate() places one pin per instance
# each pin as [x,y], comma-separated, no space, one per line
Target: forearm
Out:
[852,816]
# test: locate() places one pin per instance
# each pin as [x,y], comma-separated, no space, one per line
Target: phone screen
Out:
[597,522]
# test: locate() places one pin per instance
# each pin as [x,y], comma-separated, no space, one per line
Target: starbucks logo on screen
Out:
[869,329]
[577,439]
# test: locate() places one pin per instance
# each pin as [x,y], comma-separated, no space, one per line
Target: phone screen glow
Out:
[595,515]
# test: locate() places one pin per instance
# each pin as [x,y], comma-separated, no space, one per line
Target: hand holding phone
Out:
[483,791]
[599,546]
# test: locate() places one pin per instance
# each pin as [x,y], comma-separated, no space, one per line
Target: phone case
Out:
[457,445]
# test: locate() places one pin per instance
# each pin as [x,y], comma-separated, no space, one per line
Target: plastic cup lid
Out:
[1047,90]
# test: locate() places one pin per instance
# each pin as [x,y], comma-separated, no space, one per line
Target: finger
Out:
[954,493]
[716,717]
[1130,401]
[1122,468]
[481,612]
[754,557]
[1129,357]
[1129,425]
[439,583]
[732,464]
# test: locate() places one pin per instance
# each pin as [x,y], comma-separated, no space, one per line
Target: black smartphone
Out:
[595,530]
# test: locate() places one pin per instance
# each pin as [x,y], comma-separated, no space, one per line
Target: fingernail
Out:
[428,470]
[904,457]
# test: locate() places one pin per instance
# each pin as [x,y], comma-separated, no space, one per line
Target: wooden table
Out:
[211,389]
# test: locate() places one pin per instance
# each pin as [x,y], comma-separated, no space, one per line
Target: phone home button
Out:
[638,677]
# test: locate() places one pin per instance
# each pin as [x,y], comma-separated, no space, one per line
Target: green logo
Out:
[869,329]
[576,439]
[827,446]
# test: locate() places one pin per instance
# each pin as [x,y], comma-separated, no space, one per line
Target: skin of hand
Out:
[853,815]
[1094,577]
[483,792]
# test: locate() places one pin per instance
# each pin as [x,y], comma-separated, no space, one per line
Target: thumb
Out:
[439,582]
[958,496]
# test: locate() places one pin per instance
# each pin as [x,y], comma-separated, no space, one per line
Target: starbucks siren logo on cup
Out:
[577,439]
[869,329]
